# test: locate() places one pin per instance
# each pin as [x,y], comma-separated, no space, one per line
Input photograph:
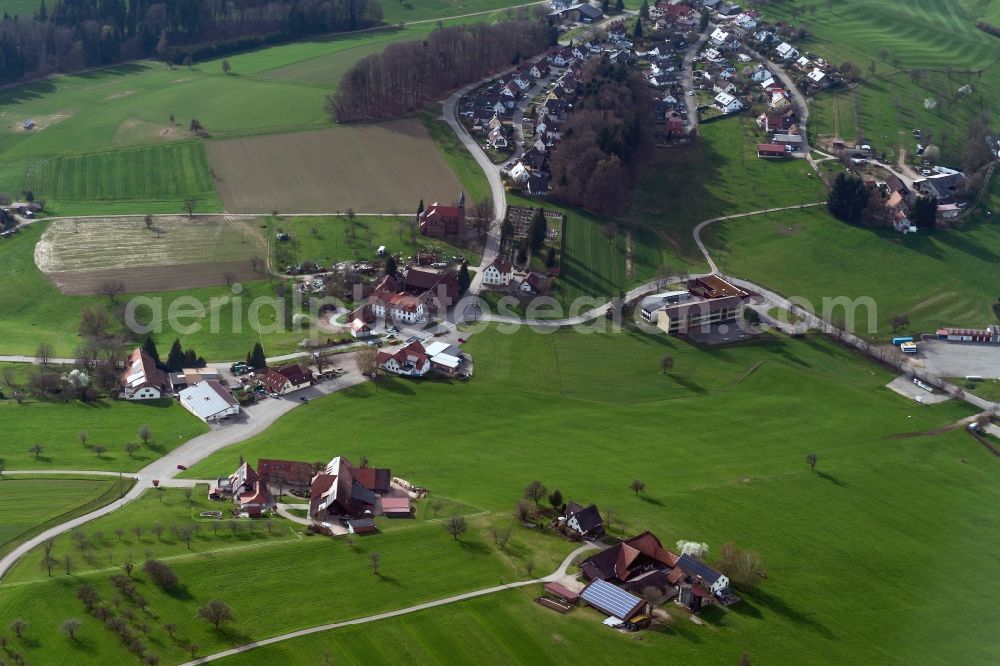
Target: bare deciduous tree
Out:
[111,289]
[216,613]
[637,486]
[456,526]
[811,460]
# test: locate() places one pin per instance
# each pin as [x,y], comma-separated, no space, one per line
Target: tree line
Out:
[77,34]
[408,74]
[606,141]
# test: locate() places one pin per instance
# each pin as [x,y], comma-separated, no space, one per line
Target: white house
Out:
[760,73]
[519,173]
[497,139]
[499,273]
[209,401]
[746,22]
[398,307]
[816,76]
[522,81]
[786,51]
[142,380]
[538,70]
[768,83]
[719,37]
[727,103]
[802,62]
[712,55]
[409,361]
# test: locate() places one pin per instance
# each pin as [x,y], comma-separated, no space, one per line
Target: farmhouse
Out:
[142,380]
[339,490]
[249,492]
[409,361]
[435,288]
[771,150]
[586,522]
[532,283]
[612,600]
[291,472]
[499,273]
[437,220]
[210,401]
[286,379]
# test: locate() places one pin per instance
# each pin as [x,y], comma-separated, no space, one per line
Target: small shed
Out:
[361,526]
[396,507]
[562,592]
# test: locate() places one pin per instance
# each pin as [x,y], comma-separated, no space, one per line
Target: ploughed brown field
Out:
[377,168]
[174,252]
[156,278]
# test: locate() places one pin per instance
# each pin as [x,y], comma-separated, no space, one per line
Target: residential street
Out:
[687,82]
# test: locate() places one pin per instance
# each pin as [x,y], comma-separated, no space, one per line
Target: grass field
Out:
[80,254]
[23,8]
[328,240]
[57,427]
[161,176]
[937,279]
[568,396]
[938,39]
[419,562]
[370,168]
[32,310]
[31,504]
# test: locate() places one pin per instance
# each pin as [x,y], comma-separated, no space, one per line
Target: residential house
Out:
[817,78]
[944,185]
[562,58]
[761,74]
[539,70]
[390,303]
[538,184]
[584,521]
[496,139]
[803,63]
[142,380]
[409,361]
[519,173]
[438,290]
[786,51]
[718,37]
[727,103]
[716,582]
[499,273]
[532,283]
[210,401]
[286,379]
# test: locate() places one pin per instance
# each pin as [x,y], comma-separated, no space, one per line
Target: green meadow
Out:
[720,442]
[921,49]
[30,504]
[33,311]
[419,562]
[940,278]
[110,424]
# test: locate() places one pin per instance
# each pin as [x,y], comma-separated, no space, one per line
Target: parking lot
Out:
[960,359]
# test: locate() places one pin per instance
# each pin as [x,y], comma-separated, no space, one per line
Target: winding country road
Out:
[555,576]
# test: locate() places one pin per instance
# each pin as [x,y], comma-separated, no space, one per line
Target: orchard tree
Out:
[456,526]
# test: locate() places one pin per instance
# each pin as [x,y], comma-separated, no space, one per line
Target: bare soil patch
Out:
[15,122]
[155,278]
[373,168]
[175,252]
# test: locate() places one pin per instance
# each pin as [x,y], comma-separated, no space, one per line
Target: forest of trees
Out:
[75,34]
[408,74]
[606,140]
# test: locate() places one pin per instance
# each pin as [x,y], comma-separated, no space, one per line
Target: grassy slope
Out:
[57,427]
[419,562]
[29,504]
[327,240]
[568,397]
[941,278]
[926,35]
[32,310]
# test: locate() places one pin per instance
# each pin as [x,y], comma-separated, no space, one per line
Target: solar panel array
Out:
[610,599]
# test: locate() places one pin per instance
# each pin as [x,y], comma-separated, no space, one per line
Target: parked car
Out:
[181,467]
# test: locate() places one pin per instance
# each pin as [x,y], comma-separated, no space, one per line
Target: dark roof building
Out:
[586,522]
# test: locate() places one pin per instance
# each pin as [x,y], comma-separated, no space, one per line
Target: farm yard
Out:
[174,252]
[745,481]
[369,168]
